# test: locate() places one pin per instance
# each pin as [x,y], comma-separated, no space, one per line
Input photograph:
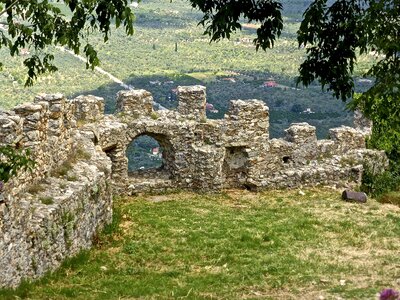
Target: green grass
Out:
[234,245]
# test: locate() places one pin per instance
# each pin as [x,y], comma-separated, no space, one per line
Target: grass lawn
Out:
[234,245]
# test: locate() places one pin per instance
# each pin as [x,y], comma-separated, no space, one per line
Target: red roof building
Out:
[270,83]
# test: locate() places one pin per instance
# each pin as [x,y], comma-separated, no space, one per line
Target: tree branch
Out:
[9,7]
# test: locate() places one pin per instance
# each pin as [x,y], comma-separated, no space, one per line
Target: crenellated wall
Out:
[236,151]
[55,211]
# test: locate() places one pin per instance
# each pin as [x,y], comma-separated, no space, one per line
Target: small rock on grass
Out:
[352,196]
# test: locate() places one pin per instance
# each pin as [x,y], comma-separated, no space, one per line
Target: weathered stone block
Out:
[361,122]
[347,138]
[135,102]
[88,108]
[248,110]
[10,128]
[27,109]
[352,196]
[192,101]
[301,133]
[246,123]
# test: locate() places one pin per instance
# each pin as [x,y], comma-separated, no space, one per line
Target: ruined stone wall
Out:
[80,154]
[54,211]
[234,152]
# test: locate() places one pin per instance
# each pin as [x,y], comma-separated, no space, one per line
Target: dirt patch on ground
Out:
[159,198]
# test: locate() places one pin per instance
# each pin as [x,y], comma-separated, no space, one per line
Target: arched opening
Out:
[144,153]
[150,155]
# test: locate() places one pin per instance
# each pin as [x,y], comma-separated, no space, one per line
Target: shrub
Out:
[377,185]
[385,136]
[47,200]
[12,161]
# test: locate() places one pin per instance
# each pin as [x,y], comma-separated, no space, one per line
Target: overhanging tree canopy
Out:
[334,36]
[38,24]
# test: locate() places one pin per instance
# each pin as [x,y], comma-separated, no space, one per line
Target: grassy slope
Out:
[236,245]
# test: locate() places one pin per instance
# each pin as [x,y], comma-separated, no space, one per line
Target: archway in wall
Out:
[151,156]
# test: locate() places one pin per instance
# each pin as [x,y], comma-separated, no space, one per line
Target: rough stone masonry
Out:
[55,211]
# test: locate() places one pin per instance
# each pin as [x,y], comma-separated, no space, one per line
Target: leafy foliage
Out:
[12,161]
[37,24]
[335,34]
[377,185]
[221,18]
[385,136]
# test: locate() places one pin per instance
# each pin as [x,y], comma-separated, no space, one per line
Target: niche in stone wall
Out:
[235,167]
[112,153]
[151,155]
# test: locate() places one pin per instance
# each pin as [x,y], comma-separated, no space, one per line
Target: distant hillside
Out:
[168,49]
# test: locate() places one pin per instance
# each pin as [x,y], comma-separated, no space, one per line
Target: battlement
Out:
[80,156]
[192,101]
[48,125]
[136,102]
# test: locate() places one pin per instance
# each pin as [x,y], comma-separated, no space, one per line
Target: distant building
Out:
[211,108]
[24,52]
[270,83]
[308,111]
[230,79]
[156,152]
[364,81]
[134,4]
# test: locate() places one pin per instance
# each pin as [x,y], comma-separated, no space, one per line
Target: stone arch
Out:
[167,168]
[144,153]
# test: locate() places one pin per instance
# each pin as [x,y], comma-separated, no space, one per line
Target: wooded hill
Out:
[168,49]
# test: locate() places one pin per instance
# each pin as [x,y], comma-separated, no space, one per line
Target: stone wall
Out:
[234,152]
[55,211]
